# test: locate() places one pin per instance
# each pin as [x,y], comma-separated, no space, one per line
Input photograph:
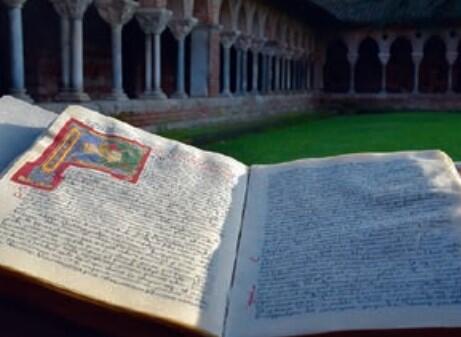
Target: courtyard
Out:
[321,136]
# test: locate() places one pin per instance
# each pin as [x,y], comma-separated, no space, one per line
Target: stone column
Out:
[277,71]
[452,56]
[255,49]
[384,58]
[180,28]
[117,13]
[263,71]
[205,61]
[153,22]
[227,41]
[283,70]
[289,71]
[74,10]
[417,59]
[352,58]
[17,87]
[243,43]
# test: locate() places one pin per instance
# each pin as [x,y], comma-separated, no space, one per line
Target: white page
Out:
[20,125]
[150,226]
[350,243]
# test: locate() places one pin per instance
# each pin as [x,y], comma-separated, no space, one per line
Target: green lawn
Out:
[308,137]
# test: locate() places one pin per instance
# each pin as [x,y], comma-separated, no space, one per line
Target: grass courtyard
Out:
[309,137]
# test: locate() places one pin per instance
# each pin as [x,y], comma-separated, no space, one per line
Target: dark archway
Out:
[434,67]
[457,72]
[400,69]
[337,74]
[368,71]
[42,61]
[134,59]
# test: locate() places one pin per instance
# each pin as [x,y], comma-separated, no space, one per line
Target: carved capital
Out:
[452,56]
[243,42]
[257,44]
[417,57]
[116,12]
[14,3]
[180,28]
[153,20]
[74,9]
[352,57]
[228,38]
[384,57]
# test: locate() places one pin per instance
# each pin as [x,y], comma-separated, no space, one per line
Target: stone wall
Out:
[154,115]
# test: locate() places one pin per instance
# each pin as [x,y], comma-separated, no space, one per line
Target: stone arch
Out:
[337,68]
[181,8]
[225,16]
[207,11]
[242,20]
[368,71]
[256,25]
[434,66]
[400,69]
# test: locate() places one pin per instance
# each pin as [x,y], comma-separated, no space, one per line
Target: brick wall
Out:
[190,112]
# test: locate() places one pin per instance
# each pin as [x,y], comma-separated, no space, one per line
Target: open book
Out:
[105,214]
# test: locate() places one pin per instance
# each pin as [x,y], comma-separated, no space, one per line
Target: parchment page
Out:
[351,243]
[20,125]
[113,213]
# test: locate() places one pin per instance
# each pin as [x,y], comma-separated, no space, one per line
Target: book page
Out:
[119,216]
[359,242]
[20,125]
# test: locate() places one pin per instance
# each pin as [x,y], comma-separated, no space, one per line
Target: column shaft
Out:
[238,75]
[255,73]
[244,71]
[77,56]
[226,72]
[352,79]
[416,80]
[17,53]
[180,70]
[65,53]
[277,74]
[148,67]
[117,63]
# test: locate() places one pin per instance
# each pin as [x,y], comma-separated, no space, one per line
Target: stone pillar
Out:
[289,71]
[17,88]
[243,43]
[417,59]
[180,29]
[282,72]
[238,72]
[117,13]
[74,10]
[452,56]
[256,46]
[65,56]
[204,70]
[153,22]
[263,71]
[384,58]
[227,40]
[352,58]
[277,72]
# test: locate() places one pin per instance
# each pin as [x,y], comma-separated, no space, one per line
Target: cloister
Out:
[185,61]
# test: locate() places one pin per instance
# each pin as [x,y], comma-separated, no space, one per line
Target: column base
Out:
[157,95]
[227,94]
[255,92]
[72,96]
[117,96]
[22,95]
[179,95]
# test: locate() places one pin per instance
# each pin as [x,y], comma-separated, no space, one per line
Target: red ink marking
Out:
[255,259]
[251,297]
